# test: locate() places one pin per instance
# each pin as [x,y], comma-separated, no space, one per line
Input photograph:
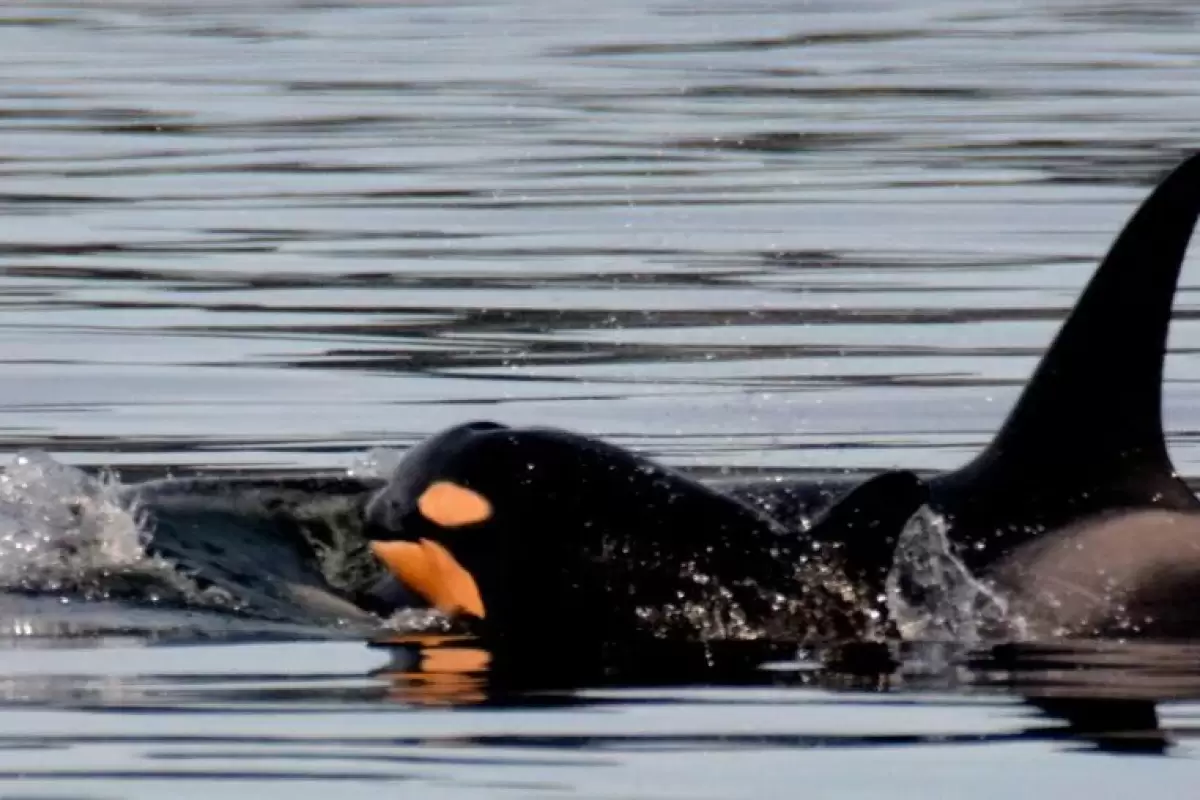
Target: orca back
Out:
[1086,435]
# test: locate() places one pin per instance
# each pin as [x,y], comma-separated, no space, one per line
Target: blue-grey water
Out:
[775,234]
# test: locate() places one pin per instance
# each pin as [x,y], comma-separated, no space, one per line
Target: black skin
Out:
[589,541]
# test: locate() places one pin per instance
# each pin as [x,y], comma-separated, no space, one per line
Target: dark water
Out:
[761,235]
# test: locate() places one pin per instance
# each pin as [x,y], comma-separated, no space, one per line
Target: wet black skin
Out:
[590,541]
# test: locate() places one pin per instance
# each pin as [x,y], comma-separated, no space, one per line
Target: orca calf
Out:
[528,531]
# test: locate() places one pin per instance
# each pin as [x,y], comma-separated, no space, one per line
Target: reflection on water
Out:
[397,712]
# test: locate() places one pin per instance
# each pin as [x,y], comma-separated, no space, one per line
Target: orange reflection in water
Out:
[435,670]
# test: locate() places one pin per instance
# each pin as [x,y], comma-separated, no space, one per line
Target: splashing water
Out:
[933,596]
[376,463]
[418,620]
[63,532]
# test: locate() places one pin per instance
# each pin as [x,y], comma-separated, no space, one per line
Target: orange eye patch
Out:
[452,506]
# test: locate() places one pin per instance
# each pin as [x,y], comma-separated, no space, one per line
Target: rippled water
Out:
[259,720]
[787,235]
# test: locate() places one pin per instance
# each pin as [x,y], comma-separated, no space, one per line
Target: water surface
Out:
[781,235]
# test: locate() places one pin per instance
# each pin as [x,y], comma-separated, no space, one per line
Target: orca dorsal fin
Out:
[1086,434]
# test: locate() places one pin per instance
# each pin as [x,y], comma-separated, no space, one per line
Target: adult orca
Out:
[521,531]
[1086,434]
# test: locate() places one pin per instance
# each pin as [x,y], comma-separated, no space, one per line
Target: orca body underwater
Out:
[263,541]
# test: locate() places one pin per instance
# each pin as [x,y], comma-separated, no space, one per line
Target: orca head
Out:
[520,531]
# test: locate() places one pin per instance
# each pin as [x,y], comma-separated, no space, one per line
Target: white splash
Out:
[378,462]
[933,596]
[62,531]
[418,620]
